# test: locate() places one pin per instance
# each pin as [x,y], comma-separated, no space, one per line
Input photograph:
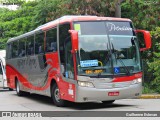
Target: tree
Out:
[14,23]
[118,8]
[57,8]
[155,64]
[145,15]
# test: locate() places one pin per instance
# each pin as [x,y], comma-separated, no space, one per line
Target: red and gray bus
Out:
[78,59]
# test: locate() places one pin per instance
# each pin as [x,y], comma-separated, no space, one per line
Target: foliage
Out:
[91,7]
[148,89]
[14,23]
[46,12]
[144,14]
[155,65]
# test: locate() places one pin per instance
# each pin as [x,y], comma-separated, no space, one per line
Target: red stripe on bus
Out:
[25,82]
[128,78]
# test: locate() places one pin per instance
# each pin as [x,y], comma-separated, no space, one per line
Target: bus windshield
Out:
[107,48]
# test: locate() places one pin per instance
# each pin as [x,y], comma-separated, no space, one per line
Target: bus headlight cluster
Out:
[85,84]
[136,81]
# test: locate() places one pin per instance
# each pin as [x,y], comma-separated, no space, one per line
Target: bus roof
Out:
[72,18]
[68,18]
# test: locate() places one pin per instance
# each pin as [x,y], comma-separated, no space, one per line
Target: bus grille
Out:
[113,85]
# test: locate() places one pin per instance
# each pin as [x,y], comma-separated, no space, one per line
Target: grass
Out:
[148,90]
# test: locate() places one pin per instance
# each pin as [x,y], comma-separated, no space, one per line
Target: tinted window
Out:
[39,43]
[30,45]
[93,28]
[15,49]
[63,37]
[104,28]
[9,49]
[51,40]
[22,48]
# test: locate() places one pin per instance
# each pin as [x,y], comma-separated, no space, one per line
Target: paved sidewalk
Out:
[150,96]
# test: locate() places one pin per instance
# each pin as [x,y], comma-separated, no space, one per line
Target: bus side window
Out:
[9,51]
[39,43]
[22,48]
[30,45]
[15,49]
[51,40]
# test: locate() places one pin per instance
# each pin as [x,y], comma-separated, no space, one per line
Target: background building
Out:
[12,5]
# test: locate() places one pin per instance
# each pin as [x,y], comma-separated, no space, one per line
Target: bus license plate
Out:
[113,94]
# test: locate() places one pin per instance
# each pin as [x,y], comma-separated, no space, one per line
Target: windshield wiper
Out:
[119,58]
[128,72]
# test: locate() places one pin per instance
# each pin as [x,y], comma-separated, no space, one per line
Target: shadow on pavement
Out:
[5,90]
[94,105]
[74,106]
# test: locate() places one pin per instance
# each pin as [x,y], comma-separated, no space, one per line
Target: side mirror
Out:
[147,39]
[74,39]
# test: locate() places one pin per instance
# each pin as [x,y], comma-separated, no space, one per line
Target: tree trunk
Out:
[118,8]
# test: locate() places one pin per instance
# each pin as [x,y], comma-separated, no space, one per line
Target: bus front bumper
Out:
[86,94]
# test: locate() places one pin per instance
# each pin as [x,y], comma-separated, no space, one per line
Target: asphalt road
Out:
[9,101]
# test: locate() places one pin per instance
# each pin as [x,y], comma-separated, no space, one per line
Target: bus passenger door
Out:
[69,73]
[65,46]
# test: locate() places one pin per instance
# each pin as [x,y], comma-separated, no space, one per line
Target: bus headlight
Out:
[85,84]
[139,80]
[136,81]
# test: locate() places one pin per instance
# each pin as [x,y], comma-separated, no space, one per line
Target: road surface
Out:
[9,101]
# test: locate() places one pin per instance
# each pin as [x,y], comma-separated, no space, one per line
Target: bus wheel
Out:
[19,92]
[108,102]
[56,97]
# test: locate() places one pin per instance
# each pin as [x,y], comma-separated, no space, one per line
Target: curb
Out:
[156,96]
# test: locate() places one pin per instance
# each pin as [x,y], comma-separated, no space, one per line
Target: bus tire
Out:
[108,102]
[56,98]
[19,92]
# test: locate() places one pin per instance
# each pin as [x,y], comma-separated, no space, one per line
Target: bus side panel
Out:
[10,73]
[66,89]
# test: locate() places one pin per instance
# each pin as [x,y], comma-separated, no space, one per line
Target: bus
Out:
[3,81]
[78,59]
